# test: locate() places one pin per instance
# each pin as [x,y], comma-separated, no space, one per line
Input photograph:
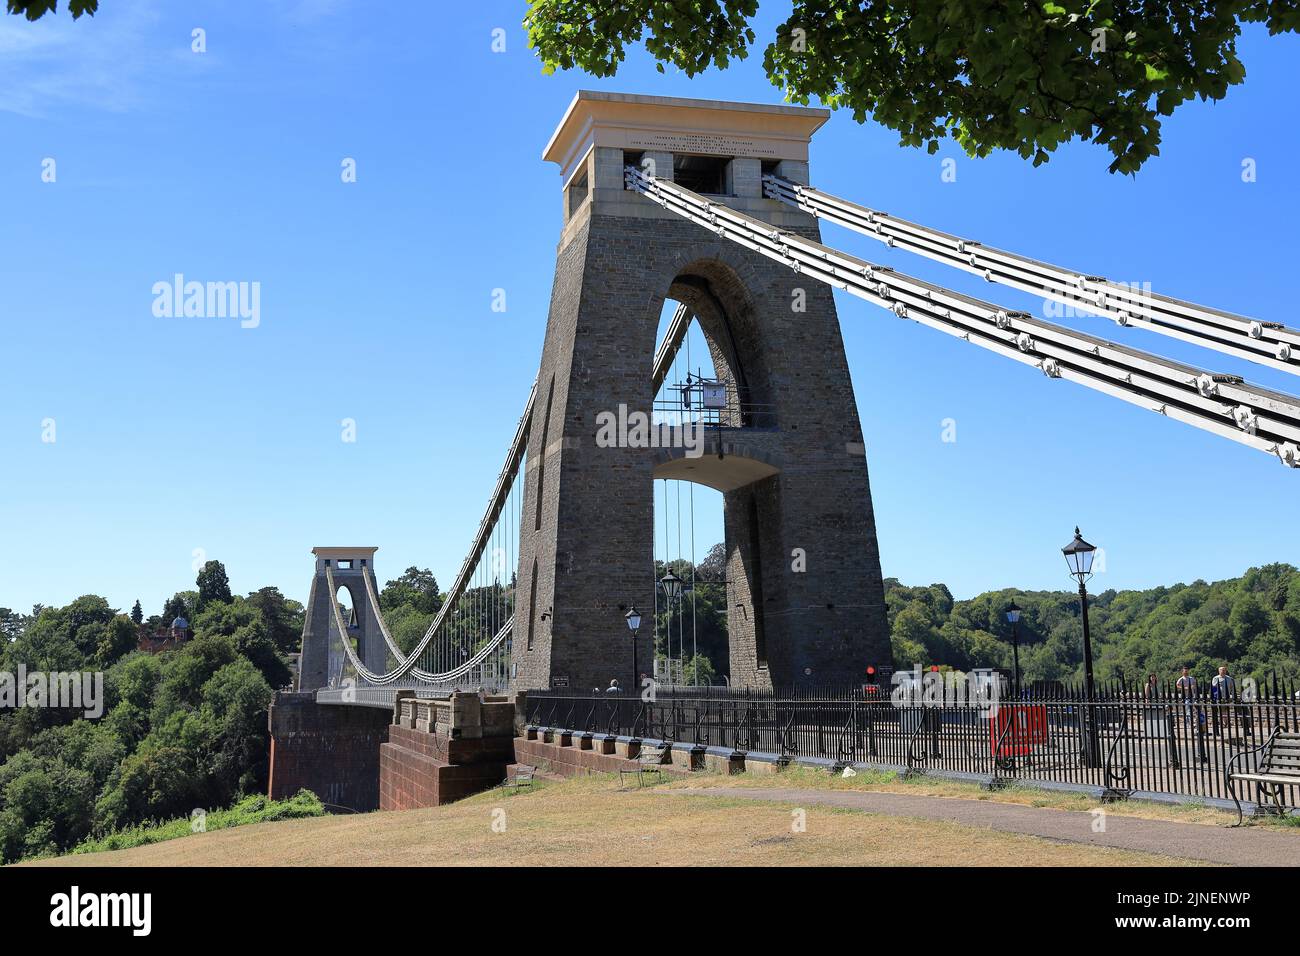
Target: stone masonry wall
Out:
[588,510]
[444,750]
[330,750]
[414,771]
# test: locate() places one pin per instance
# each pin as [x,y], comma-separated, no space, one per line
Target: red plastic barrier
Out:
[1028,731]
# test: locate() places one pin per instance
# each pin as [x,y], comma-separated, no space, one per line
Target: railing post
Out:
[913,761]
[1175,762]
[871,729]
[818,716]
[1117,779]
[998,781]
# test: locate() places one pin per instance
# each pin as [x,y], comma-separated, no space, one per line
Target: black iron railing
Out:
[1163,740]
[683,404]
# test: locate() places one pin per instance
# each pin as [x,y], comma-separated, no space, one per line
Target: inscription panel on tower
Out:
[699,143]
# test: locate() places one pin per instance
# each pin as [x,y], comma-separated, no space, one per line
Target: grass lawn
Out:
[1024,795]
[589,821]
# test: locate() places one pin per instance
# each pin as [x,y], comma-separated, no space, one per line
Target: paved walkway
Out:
[1243,846]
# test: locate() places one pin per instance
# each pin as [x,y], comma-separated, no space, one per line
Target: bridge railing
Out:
[385,696]
[1167,740]
[730,406]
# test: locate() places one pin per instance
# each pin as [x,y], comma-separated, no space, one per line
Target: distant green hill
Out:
[181,729]
[1251,623]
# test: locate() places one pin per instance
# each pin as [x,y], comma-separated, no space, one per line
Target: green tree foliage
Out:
[45,805]
[251,809]
[35,9]
[212,584]
[407,625]
[703,622]
[182,729]
[1023,77]
[133,680]
[698,670]
[410,603]
[12,624]
[1251,623]
[181,604]
[241,621]
[61,639]
[284,618]
[206,741]
[119,638]
[699,621]
[713,569]
[137,613]
[416,588]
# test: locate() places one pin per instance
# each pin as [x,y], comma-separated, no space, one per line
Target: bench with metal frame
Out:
[648,760]
[523,776]
[1278,768]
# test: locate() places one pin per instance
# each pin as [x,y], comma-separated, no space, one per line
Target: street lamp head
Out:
[1078,555]
[672,586]
[1013,612]
[633,618]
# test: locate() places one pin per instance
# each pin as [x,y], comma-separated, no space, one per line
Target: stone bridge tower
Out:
[805,595]
[321,663]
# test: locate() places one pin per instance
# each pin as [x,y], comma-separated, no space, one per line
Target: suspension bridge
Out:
[709,204]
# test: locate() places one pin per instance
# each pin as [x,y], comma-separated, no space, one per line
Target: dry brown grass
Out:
[938,787]
[590,822]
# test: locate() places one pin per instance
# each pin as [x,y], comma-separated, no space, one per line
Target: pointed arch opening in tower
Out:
[348,612]
[690,560]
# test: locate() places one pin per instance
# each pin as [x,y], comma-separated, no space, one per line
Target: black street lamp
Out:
[1078,555]
[633,618]
[672,586]
[1013,615]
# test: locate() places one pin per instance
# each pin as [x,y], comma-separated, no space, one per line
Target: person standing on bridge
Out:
[613,687]
[1187,689]
[1224,690]
[1155,716]
[1223,687]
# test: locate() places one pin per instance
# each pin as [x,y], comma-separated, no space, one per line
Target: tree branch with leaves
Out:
[35,9]
[988,75]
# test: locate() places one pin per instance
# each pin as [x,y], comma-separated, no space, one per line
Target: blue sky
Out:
[180,434]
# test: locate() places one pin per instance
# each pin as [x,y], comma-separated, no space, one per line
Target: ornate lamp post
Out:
[672,586]
[1013,615]
[1078,556]
[633,618]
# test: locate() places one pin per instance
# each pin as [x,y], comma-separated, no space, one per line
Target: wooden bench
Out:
[648,760]
[523,776]
[1278,767]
